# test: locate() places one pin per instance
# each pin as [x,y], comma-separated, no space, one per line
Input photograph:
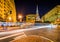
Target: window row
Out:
[1,1]
[9,11]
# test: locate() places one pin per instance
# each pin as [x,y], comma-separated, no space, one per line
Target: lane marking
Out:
[17,34]
[20,36]
[46,38]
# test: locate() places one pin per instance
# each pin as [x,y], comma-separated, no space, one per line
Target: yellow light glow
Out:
[9,18]
[19,16]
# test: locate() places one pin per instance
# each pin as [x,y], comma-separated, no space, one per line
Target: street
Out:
[51,34]
[29,21]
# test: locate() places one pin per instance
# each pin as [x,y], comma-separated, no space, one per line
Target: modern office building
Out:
[7,10]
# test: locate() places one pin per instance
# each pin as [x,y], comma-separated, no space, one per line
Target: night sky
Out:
[29,6]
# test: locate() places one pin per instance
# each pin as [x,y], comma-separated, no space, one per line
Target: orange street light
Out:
[10,18]
[20,17]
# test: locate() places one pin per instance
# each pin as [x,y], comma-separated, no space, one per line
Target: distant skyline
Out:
[29,6]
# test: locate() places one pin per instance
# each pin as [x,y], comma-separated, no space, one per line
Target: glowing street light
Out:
[20,18]
[10,18]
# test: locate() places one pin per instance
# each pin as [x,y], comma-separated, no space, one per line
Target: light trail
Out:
[17,34]
[19,37]
[46,38]
[27,29]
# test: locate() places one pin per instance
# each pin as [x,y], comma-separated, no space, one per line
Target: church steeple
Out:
[37,10]
[37,14]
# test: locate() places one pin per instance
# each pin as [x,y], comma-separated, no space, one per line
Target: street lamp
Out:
[20,18]
[10,18]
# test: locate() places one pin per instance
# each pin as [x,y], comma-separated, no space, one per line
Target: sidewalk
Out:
[8,29]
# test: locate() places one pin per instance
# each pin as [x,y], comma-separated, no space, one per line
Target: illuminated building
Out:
[57,21]
[30,18]
[7,9]
[52,15]
[33,17]
[1,9]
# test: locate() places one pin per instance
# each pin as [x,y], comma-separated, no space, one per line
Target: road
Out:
[52,33]
[49,33]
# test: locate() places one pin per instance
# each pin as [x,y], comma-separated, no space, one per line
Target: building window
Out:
[4,0]
[10,12]
[4,10]
[0,0]
[12,1]
[4,6]
[1,6]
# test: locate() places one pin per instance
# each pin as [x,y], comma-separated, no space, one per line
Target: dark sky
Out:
[29,6]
